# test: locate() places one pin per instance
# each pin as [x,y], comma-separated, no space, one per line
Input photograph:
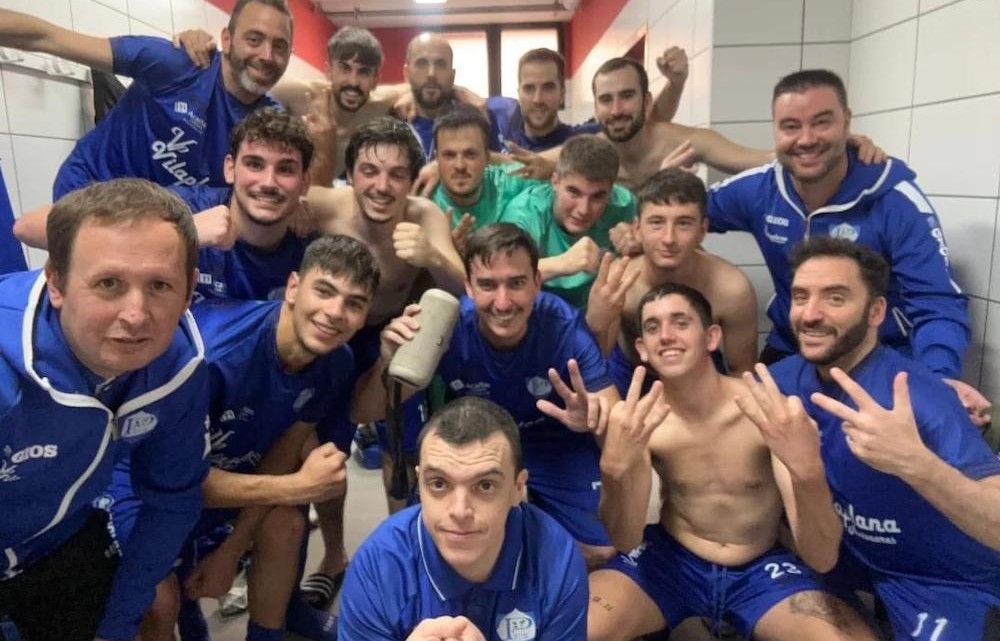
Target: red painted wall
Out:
[312,30]
[587,27]
[394,41]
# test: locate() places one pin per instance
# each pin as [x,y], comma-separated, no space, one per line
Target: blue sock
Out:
[191,622]
[306,621]
[258,633]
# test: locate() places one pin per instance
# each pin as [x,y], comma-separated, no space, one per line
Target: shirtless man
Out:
[714,552]
[671,227]
[409,236]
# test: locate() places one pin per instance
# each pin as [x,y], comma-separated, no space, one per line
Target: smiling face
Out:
[503,293]
[123,293]
[258,51]
[670,234]
[672,339]
[619,104]
[540,94]
[352,83]
[326,310]
[810,134]
[466,493]
[267,180]
[834,318]
[382,178]
[579,202]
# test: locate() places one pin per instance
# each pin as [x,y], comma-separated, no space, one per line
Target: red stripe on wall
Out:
[591,20]
[312,30]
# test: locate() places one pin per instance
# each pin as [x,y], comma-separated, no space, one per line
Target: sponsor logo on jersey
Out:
[776,228]
[137,424]
[11,459]
[516,626]
[245,413]
[168,152]
[303,398]
[539,387]
[868,528]
[845,231]
[481,388]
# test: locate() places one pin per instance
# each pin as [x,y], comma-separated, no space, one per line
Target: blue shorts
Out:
[925,610]
[574,509]
[683,584]
[337,427]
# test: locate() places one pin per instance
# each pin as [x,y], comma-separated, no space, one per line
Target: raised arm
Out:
[369,400]
[626,465]
[673,64]
[28,33]
[429,245]
[793,439]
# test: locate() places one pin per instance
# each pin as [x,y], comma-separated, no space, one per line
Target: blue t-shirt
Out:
[516,379]
[171,126]
[244,272]
[508,126]
[253,400]
[888,526]
[397,578]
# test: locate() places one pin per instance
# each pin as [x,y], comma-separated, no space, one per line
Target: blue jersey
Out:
[516,379]
[244,272]
[508,126]
[64,429]
[879,206]
[397,578]
[253,399]
[888,526]
[171,126]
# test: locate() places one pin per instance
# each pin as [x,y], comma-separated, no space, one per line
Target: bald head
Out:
[430,74]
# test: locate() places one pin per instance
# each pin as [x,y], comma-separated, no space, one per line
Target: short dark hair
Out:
[486,242]
[589,156]
[672,187]
[462,115]
[873,267]
[355,43]
[471,419]
[278,5]
[620,63]
[273,127]
[697,300]
[113,202]
[337,254]
[544,54]
[385,131]
[799,81]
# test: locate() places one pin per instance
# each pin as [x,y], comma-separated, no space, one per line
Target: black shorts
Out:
[62,596]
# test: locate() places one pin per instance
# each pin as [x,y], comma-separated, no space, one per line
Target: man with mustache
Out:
[172,124]
[893,484]
[819,187]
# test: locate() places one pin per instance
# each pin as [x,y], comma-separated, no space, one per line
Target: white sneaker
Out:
[235,601]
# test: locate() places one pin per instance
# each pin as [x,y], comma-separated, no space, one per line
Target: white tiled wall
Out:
[924,82]
[41,116]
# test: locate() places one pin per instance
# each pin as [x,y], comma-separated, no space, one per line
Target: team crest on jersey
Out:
[137,424]
[845,231]
[538,386]
[303,398]
[516,626]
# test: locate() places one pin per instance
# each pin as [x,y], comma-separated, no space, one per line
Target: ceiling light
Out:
[430,1]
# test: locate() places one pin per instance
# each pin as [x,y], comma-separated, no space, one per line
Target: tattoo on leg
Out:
[602,603]
[823,607]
